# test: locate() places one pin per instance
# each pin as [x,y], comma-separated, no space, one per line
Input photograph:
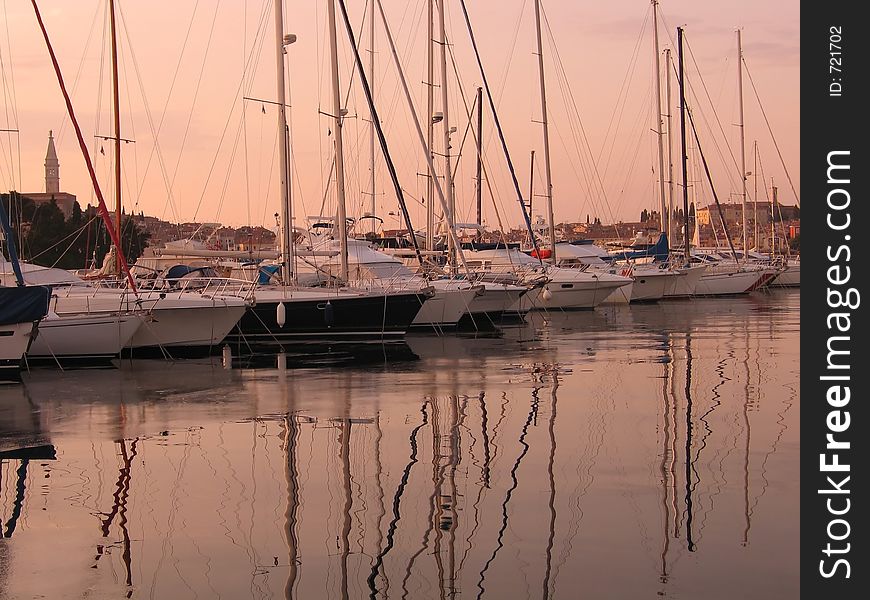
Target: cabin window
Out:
[567,286]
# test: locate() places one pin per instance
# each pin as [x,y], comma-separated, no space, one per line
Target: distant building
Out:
[64,201]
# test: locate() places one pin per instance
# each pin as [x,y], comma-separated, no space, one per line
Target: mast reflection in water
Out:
[616,453]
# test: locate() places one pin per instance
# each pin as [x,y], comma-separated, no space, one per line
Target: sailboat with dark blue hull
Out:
[278,317]
[21,309]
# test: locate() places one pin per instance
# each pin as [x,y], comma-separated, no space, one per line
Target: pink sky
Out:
[210,164]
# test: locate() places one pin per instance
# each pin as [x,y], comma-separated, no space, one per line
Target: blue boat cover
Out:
[659,251]
[23,304]
[266,273]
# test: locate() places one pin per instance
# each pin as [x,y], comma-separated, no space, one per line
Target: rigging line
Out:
[770,129]
[712,188]
[82,61]
[622,97]
[561,69]
[485,165]
[255,52]
[131,123]
[77,233]
[643,117]
[156,133]
[9,88]
[710,100]
[718,149]
[194,101]
[168,97]
[511,53]
[498,127]
[9,97]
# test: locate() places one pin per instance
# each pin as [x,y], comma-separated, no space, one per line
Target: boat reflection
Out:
[521,466]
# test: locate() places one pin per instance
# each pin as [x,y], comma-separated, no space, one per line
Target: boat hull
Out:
[731,283]
[14,341]
[651,286]
[445,308]
[687,283]
[83,338]
[348,317]
[790,277]
[174,320]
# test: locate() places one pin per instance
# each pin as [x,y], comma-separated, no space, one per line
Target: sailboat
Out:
[285,312]
[191,322]
[722,278]
[558,287]
[21,310]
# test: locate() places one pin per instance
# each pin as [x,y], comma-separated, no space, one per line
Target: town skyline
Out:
[236,184]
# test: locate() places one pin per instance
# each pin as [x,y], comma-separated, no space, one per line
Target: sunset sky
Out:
[183,73]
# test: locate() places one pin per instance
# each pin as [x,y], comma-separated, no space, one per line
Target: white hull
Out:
[651,285]
[790,277]
[621,295]
[573,289]
[731,282]
[497,299]
[14,340]
[687,283]
[177,319]
[188,326]
[446,306]
[83,336]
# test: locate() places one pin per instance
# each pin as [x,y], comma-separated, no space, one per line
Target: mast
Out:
[531,180]
[445,127]
[341,215]
[498,128]
[549,183]
[773,221]
[287,272]
[683,156]
[101,203]
[372,128]
[479,158]
[439,192]
[117,127]
[658,123]
[755,195]
[670,144]
[430,126]
[742,143]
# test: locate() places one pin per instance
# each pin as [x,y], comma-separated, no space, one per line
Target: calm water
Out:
[639,452]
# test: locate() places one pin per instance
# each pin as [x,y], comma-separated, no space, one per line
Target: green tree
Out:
[45,238]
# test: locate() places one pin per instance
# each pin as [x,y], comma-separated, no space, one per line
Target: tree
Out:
[46,238]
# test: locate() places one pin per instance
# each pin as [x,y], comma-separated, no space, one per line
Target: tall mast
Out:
[531,180]
[773,220]
[742,143]
[670,143]
[683,155]
[117,117]
[549,183]
[430,125]
[658,120]
[479,157]
[287,272]
[341,216]
[445,126]
[372,128]
[755,195]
